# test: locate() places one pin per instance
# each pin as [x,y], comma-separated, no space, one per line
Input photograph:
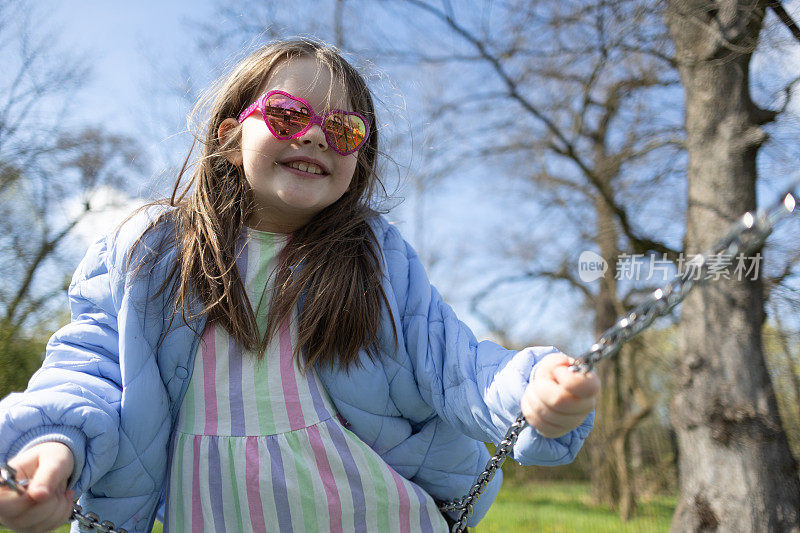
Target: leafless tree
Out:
[736,472]
[36,89]
[51,168]
[41,211]
[571,83]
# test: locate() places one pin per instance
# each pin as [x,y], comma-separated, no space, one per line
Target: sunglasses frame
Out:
[313,118]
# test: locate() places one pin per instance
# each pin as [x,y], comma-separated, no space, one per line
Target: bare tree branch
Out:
[563,146]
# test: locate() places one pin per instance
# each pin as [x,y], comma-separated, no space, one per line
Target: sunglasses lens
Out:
[285,116]
[347,132]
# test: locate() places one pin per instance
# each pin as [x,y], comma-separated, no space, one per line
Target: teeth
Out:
[306,167]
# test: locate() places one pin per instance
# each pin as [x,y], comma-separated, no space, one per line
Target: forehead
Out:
[311,80]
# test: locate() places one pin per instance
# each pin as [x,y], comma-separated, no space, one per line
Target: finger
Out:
[25,465]
[551,425]
[546,428]
[50,477]
[47,515]
[546,421]
[581,385]
[570,415]
[546,366]
[12,505]
[43,516]
[555,424]
[61,512]
[560,400]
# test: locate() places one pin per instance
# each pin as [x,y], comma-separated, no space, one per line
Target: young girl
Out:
[313,380]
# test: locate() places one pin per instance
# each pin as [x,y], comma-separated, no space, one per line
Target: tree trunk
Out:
[627,500]
[625,430]
[736,472]
[604,480]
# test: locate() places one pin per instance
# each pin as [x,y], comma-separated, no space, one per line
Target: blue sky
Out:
[128,46]
[136,48]
[121,38]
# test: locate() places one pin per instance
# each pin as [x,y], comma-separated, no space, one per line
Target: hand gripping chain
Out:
[744,237]
[89,521]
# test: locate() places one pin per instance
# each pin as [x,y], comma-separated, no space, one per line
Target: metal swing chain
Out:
[744,237]
[90,521]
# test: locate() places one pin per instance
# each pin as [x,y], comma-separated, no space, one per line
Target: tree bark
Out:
[604,459]
[736,472]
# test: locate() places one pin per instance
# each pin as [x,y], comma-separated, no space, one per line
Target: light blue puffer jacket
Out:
[109,392]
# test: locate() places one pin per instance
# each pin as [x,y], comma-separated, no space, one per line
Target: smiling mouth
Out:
[309,168]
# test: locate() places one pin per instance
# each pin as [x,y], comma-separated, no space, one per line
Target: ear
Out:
[234,155]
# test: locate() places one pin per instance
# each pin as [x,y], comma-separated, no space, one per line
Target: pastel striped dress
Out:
[258,446]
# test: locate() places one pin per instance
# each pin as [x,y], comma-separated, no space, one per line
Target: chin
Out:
[303,202]
[304,208]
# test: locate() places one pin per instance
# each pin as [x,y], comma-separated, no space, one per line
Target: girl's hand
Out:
[558,399]
[45,503]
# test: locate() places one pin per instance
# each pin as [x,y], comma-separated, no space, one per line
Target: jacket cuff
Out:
[532,448]
[70,436]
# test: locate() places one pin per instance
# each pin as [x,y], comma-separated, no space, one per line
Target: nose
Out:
[315,136]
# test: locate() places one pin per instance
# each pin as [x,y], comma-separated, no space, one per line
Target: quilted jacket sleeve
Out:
[74,397]
[476,387]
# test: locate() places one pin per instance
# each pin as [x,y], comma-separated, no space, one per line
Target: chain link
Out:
[744,237]
[8,478]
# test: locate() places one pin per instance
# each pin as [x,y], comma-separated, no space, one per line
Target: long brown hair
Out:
[333,262]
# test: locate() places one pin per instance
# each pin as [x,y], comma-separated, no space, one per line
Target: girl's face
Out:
[286,197]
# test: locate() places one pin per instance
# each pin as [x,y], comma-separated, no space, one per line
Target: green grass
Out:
[557,507]
[65,529]
[564,507]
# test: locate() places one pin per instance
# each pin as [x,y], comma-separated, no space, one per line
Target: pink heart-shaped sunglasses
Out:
[289,117]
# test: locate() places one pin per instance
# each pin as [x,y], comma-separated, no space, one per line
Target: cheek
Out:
[348,170]
[257,144]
